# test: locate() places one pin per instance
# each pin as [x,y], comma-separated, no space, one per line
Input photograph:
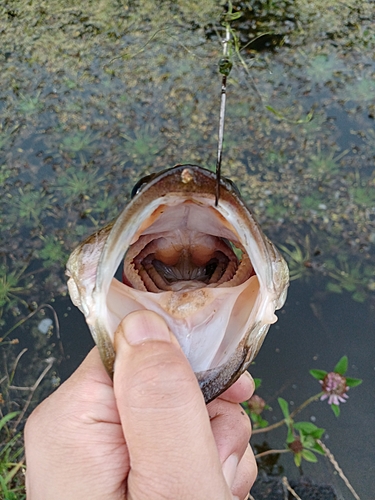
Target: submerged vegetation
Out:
[125,89]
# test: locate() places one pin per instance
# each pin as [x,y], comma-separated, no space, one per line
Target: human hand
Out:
[148,435]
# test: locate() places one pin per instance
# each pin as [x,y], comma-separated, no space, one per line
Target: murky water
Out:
[125,89]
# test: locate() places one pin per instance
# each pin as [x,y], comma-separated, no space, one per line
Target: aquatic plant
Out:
[105,206]
[78,142]
[276,209]
[52,252]
[298,257]
[11,288]
[30,205]
[28,105]
[363,195]
[142,146]
[6,135]
[360,90]
[325,163]
[361,190]
[5,173]
[335,385]
[304,439]
[354,278]
[79,183]
[321,67]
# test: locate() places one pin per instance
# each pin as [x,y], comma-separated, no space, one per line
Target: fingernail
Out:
[144,326]
[251,380]
[230,468]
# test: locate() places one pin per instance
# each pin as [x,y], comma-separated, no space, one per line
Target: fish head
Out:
[208,270]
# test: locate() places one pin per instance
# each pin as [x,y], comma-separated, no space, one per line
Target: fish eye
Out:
[141,184]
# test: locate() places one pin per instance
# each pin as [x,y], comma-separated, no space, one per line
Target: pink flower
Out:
[256,404]
[334,388]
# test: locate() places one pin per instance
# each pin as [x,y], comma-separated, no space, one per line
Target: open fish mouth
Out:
[208,270]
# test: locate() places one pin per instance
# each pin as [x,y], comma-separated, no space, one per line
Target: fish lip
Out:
[178,170]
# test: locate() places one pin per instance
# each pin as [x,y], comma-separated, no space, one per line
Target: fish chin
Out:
[208,271]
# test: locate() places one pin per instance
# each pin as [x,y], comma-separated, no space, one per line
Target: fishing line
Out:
[225,65]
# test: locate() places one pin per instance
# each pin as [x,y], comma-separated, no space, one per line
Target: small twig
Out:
[271,452]
[290,489]
[50,362]
[14,470]
[255,40]
[245,66]
[123,56]
[16,364]
[269,428]
[39,308]
[338,469]
[306,403]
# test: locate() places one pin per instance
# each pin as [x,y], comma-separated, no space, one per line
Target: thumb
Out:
[163,415]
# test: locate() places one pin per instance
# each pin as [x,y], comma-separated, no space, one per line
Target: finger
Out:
[163,415]
[231,429]
[241,390]
[245,475]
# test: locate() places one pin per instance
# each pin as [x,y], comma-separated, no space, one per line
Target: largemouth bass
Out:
[208,270]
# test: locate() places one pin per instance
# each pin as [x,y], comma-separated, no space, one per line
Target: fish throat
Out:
[185,259]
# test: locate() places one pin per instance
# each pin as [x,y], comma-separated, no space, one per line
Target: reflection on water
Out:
[124,90]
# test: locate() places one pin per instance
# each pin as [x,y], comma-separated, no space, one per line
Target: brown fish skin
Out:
[90,287]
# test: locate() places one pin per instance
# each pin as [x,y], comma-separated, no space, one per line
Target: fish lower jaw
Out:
[209,323]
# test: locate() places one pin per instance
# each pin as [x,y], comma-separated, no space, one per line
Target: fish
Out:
[207,269]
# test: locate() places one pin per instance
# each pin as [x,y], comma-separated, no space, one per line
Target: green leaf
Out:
[341,366]
[274,111]
[318,433]
[297,459]
[349,287]
[309,456]
[353,382]
[233,16]
[335,409]
[257,420]
[359,296]
[318,449]
[262,422]
[257,382]
[290,436]
[318,374]
[307,440]
[284,407]
[333,287]
[8,417]
[305,427]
